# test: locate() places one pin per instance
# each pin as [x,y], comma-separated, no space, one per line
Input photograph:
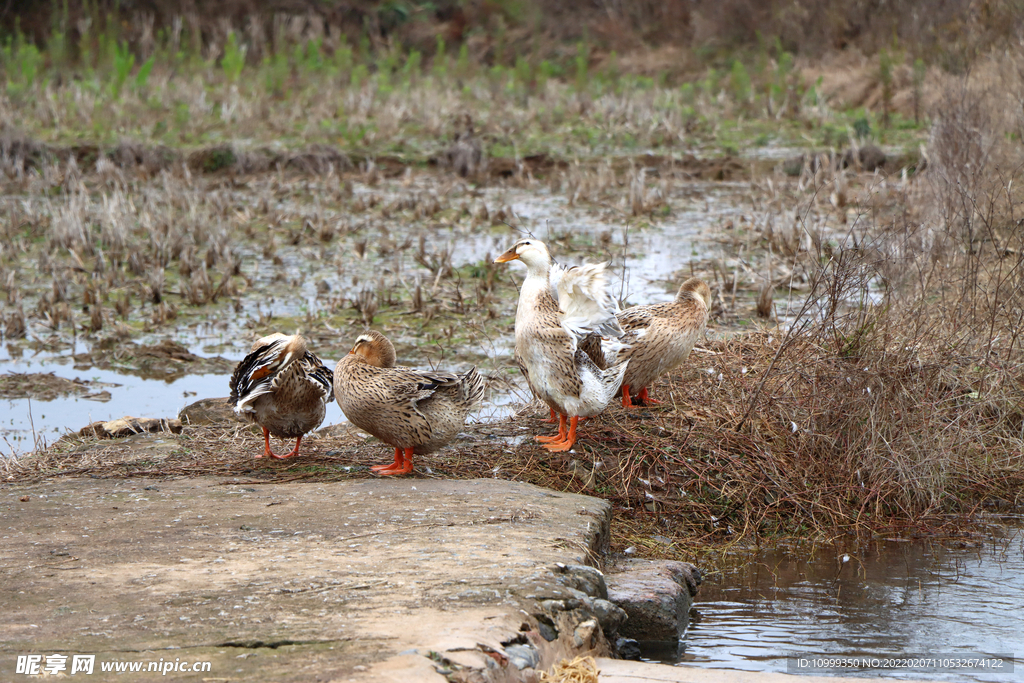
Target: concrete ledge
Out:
[385,579]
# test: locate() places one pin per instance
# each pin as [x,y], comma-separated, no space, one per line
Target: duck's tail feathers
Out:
[255,374]
[472,385]
[612,377]
[321,376]
[604,351]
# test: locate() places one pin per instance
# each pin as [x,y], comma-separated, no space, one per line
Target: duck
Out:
[657,338]
[283,387]
[414,411]
[560,307]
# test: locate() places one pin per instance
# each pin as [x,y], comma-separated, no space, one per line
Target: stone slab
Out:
[356,580]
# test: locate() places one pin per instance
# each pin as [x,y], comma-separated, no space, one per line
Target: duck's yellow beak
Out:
[509,255]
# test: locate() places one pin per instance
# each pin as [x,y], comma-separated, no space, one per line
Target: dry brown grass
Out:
[763,436]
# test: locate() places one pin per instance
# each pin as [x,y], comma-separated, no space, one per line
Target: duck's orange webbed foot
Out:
[295,451]
[626,401]
[397,464]
[553,417]
[400,466]
[570,439]
[648,401]
[554,439]
[267,453]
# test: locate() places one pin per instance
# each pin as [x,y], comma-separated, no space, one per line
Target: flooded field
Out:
[898,599]
[409,255]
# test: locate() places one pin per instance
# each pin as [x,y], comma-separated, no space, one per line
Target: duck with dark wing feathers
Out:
[284,388]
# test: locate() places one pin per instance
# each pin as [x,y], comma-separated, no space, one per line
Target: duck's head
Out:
[530,251]
[375,349]
[696,288]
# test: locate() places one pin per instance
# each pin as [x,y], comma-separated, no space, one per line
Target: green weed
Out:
[233,61]
[739,80]
[124,60]
[582,63]
[145,70]
[275,73]
[440,65]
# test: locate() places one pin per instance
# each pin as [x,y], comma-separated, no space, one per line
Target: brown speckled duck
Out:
[558,309]
[414,411]
[282,387]
[659,338]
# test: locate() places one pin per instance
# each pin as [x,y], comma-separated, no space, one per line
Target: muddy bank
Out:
[45,386]
[321,159]
[167,360]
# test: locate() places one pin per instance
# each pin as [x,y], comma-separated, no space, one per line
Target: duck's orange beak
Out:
[509,255]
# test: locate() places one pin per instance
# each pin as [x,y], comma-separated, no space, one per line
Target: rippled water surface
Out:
[899,599]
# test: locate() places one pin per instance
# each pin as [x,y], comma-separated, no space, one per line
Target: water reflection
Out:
[897,599]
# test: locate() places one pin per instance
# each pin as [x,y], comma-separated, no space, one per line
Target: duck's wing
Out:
[409,386]
[254,375]
[583,300]
[319,375]
[635,318]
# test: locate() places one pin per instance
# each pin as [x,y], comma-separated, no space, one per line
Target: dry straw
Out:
[579,670]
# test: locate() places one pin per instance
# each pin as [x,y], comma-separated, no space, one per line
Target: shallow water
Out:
[655,258]
[899,599]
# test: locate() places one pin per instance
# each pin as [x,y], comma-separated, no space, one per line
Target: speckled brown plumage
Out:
[282,387]
[415,411]
[660,336]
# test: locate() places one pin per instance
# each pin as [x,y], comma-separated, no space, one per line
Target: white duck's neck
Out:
[536,285]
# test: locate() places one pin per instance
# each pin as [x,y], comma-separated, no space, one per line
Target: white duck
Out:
[558,308]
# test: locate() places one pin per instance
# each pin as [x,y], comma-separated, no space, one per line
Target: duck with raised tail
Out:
[558,308]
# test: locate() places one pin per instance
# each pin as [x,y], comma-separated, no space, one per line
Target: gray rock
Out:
[583,635]
[546,628]
[656,596]
[685,574]
[608,614]
[590,580]
[553,606]
[208,411]
[627,648]
[130,426]
[522,656]
[867,158]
